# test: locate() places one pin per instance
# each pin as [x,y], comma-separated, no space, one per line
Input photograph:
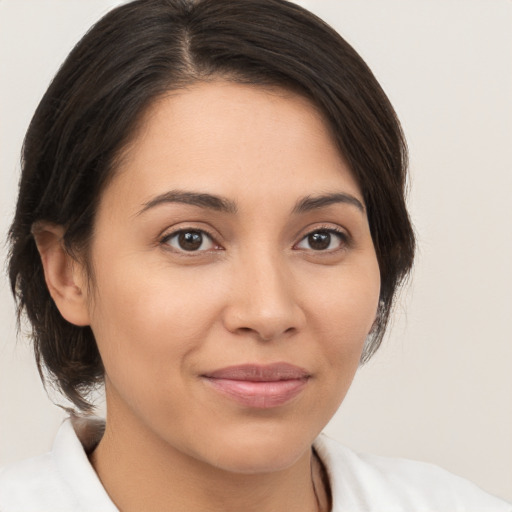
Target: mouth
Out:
[259,386]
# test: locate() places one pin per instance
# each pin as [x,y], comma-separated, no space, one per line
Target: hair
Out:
[132,56]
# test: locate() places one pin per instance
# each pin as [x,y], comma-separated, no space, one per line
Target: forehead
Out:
[229,138]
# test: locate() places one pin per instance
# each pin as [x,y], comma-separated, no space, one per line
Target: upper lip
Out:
[259,372]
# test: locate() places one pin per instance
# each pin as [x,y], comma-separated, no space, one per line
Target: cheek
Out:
[347,304]
[343,317]
[344,313]
[151,322]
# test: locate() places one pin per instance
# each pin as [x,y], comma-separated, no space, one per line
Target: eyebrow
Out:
[208,201]
[222,204]
[309,203]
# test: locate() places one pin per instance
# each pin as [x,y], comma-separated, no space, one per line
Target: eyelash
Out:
[168,237]
[342,236]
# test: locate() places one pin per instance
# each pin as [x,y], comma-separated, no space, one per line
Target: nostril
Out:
[265,334]
[262,320]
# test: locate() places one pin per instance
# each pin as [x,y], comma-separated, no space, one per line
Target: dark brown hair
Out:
[133,55]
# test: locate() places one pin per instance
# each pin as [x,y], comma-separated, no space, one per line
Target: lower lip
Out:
[259,395]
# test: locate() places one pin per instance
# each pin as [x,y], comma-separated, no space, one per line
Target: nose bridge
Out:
[265,300]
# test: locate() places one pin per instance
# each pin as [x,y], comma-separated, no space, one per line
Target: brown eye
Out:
[319,241]
[190,241]
[323,240]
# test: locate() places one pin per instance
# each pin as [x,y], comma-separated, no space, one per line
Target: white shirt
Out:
[63,480]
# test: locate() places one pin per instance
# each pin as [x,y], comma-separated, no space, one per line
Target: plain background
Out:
[440,389]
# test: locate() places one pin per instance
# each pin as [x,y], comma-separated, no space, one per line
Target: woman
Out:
[211,221]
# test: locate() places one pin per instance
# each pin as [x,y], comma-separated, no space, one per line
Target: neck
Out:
[142,472]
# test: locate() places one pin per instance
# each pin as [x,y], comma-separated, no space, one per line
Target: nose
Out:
[264,301]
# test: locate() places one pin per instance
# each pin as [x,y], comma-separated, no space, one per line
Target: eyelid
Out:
[342,234]
[169,234]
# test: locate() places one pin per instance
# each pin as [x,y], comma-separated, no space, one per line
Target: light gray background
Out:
[440,389]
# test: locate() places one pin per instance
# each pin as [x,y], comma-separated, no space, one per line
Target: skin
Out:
[255,292]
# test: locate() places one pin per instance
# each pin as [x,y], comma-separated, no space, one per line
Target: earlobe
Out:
[63,274]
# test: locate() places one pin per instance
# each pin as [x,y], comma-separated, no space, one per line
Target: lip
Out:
[259,386]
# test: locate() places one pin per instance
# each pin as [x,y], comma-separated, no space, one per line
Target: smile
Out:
[259,386]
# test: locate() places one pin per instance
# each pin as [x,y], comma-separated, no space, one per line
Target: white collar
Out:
[74,437]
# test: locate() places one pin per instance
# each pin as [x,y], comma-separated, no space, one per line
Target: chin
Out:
[254,451]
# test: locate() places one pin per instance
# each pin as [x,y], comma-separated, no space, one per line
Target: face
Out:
[235,278]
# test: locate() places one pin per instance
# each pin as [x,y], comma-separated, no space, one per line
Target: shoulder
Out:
[367,483]
[59,481]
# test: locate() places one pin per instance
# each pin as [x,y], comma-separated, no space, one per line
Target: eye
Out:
[190,240]
[323,240]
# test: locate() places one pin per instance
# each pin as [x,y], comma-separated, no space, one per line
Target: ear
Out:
[64,276]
